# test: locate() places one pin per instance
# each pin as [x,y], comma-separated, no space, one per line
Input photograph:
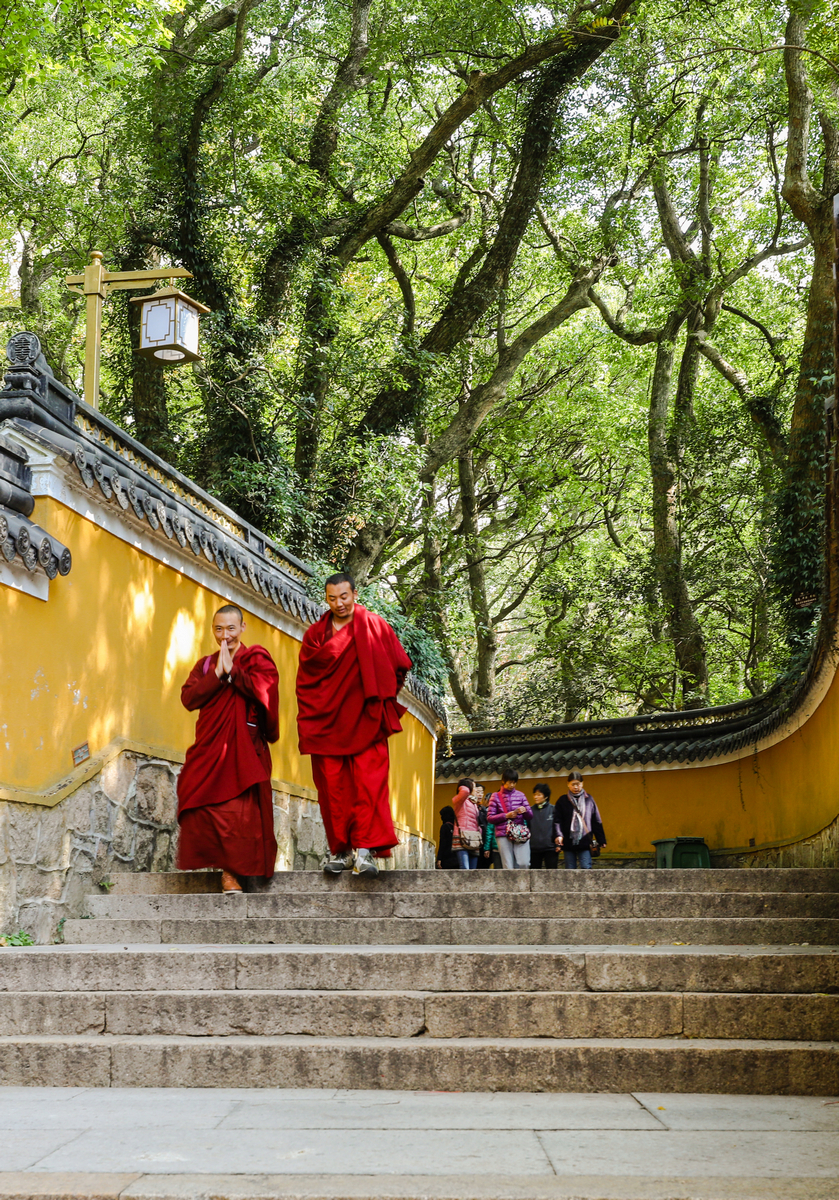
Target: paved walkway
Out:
[171,1142]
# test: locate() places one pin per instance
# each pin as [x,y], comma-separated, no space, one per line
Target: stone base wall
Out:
[820,850]
[124,819]
[301,839]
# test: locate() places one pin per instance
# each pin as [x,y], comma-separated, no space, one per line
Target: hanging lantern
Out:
[169,326]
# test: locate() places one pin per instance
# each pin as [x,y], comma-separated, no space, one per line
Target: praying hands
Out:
[225,660]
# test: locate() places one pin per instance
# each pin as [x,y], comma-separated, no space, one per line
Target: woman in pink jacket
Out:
[467,839]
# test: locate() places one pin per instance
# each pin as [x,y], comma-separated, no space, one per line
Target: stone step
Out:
[663,968]
[129,1185]
[422,1063]
[428,905]
[413,1014]
[786,879]
[467,931]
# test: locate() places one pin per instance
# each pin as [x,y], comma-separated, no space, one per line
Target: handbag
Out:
[594,849]
[514,831]
[470,839]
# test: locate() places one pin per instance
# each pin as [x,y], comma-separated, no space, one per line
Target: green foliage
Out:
[21,938]
[148,131]
[94,37]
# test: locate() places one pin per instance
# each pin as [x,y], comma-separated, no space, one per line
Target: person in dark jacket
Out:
[481,801]
[447,859]
[577,824]
[543,852]
[491,847]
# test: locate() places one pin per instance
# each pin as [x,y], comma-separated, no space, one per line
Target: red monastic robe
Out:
[225,807]
[347,683]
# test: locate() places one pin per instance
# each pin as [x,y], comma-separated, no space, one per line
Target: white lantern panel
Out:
[158,322]
[169,326]
[188,326]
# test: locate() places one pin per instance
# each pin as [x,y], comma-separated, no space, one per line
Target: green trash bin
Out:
[682,852]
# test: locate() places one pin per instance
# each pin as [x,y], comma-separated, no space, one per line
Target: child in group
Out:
[577,824]
[467,839]
[510,815]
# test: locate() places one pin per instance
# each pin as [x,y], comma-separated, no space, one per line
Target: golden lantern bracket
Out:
[94,285]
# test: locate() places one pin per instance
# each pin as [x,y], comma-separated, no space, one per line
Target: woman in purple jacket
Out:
[509,804]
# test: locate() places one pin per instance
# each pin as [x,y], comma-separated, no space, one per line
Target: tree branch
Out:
[756,406]
[458,434]
[403,279]
[797,190]
[422,233]
[641,337]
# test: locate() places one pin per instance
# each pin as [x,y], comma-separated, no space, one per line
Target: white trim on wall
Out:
[32,583]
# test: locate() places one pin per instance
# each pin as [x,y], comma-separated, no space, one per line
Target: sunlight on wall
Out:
[180,653]
[140,607]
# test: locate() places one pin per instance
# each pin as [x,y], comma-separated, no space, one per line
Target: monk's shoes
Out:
[334,864]
[365,864]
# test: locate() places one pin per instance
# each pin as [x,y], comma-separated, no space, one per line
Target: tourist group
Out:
[505,831]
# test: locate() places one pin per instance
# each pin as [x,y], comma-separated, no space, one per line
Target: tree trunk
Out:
[798,550]
[32,278]
[485,636]
[433,589]
[682,625]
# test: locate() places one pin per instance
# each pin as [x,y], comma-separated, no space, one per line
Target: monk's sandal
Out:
[336,863]
[365,863]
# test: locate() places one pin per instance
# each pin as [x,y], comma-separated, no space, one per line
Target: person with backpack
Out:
[543,853]
[467,839]
[509,814]
[578,827]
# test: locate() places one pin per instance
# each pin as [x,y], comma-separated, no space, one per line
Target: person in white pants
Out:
[509,804]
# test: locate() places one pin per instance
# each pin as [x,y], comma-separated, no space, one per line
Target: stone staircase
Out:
[609,981]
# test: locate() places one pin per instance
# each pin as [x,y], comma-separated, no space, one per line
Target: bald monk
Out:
[225,808]
[352,667]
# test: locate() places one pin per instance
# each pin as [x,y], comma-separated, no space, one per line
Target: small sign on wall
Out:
[80,754]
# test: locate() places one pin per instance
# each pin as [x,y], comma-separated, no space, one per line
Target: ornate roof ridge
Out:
[688,735]
[130,475]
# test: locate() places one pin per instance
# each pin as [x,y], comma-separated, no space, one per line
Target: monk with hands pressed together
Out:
[352,667]
[225,806]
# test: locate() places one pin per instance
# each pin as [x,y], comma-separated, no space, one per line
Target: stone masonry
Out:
[820,850]
[124,819]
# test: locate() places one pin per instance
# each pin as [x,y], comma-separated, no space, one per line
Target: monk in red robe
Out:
[352,667]
[225,807]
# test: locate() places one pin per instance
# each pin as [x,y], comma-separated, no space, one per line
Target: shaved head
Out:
[230,608]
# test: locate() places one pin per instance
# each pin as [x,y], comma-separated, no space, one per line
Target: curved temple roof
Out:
[688,736]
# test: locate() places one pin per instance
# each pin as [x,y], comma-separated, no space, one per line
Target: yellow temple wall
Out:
[782,792]
[102,661]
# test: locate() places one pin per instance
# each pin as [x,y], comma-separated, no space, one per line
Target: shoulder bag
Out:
[514,831]
[469,839]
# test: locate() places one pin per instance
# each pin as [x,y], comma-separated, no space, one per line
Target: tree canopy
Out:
[522,313]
